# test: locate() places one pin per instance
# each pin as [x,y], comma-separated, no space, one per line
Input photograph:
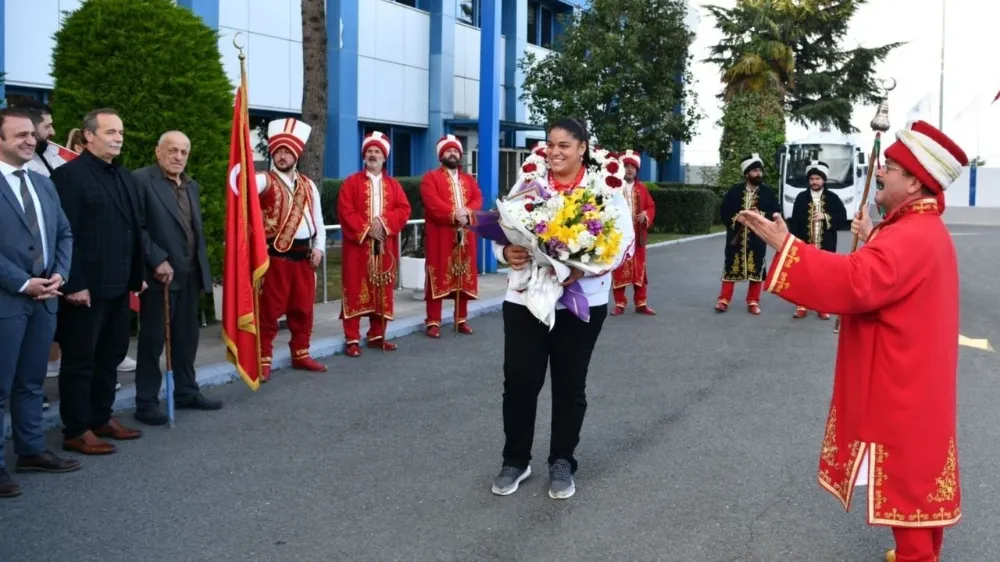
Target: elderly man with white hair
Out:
[176,261]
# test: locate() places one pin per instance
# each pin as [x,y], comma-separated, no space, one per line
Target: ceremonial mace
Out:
[380,280]
[170,365]
[460,235]
[879,124]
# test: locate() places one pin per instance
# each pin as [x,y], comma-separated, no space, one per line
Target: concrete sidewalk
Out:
[327,340]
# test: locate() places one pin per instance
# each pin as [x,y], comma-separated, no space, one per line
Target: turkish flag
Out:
[245,260]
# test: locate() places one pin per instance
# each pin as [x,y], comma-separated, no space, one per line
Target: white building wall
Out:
[272,41]
[29,37]
[393,63]
[468,40]
[987,189]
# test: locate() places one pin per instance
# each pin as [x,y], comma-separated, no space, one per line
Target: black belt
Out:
[301,249]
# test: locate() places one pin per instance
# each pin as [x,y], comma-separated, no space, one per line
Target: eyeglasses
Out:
[894,167]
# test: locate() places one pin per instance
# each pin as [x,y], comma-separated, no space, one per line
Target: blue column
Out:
[972,183]
[515,13]
[3,65]
[442,79]
[675,164]
[208,10]
[489,118]
[343,140]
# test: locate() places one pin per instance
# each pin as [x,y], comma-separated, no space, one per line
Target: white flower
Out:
[585,258]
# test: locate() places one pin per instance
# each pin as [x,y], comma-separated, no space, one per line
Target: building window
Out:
[470,12]
[402,151]
[418,4]
[533,23]
[545,29]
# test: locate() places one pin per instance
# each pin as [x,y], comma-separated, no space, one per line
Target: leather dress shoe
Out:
[646,309]
[198,402]
[433,332]
[115,430]
[465,329]
[618,310]
[353,350]
[265,373]
[46,462]
[150,415]
[8,488]
[88,444]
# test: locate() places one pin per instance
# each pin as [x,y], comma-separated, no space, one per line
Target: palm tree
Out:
[314,86]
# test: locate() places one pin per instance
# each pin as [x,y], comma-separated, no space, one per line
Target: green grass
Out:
[655,237]
[332,276]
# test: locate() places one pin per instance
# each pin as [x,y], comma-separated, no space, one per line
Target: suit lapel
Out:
[165,192]
[193,197]
[8,194]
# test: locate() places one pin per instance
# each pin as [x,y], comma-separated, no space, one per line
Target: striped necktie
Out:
[31,217]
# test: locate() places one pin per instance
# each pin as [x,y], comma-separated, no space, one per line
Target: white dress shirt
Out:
[456,188]
[14,183]
[376,203]
[312,220]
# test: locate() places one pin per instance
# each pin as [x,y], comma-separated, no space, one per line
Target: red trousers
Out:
[352,328]
[753,292]
[434,307]
[289,289]
[918,544]
[639,292]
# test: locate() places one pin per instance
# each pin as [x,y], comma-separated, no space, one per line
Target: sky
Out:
[971,73]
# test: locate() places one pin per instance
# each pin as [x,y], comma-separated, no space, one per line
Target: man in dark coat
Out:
[744,249]
[817,216]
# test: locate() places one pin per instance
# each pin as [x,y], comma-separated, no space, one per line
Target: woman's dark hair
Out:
[578,130]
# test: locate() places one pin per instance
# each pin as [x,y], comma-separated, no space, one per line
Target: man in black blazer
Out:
[35,251]
[101,204]
[175,257]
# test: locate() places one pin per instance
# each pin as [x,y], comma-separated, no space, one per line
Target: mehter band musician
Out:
[450,198]
[817,216]
[891,422]
[296,243]
[744,249]
[633,270]
[373,209]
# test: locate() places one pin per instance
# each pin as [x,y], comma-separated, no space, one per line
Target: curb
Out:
[217,374]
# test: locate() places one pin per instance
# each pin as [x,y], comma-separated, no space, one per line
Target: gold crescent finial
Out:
[891,87]
[237,45]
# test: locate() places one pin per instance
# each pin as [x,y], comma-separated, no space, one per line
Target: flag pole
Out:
[245,118]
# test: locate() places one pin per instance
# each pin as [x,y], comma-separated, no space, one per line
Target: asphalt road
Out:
[700,444]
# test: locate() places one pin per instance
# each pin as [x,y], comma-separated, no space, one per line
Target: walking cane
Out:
[170,366]
[879,124]
[375,273]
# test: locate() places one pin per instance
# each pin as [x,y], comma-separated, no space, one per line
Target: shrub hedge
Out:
[688,209]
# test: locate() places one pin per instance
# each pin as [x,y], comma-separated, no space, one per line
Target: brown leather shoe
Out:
[45,462]
[115,430]
[88,444]
[8,488]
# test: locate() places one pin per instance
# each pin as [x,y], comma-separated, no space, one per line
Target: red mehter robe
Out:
[632,271]
[894,395]
[442,197]
[356,209]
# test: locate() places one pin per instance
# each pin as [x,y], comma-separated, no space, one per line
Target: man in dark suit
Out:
[35,251]
[100,200]
[175,257]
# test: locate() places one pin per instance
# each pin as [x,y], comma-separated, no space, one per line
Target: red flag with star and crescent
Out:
[246,259]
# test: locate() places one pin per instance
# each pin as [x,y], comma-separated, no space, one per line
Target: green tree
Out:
[797,48]
[753,122]
[624,66]
[158,66]
[314,86]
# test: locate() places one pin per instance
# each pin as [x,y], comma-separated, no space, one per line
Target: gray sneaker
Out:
[509,479]
[561,480]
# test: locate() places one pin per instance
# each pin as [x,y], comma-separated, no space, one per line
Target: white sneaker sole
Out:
[563,495]
[517,484]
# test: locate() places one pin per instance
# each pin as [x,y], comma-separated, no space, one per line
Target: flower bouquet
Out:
[581,228]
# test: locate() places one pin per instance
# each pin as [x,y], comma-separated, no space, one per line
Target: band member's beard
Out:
[755,180]
[450,163]
[41,145]
[286,169]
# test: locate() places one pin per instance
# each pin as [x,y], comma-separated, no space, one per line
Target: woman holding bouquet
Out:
[563,172]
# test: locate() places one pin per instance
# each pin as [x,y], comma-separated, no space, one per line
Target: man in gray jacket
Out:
[176,260]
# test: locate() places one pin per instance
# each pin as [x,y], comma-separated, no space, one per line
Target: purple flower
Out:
[556,245]
[588,207]
[540,227]
[595,227]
